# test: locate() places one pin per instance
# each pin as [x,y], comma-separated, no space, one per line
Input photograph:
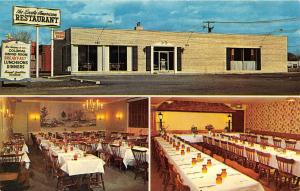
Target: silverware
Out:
[197,177]
[234,174]
[193,172]
[207,186]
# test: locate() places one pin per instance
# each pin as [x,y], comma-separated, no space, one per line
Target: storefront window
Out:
[118,58]
[87,58]
[243,59]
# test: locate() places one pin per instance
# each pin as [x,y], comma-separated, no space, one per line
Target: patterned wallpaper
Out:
[280,116]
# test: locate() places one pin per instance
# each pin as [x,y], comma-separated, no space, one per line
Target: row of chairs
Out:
[111,154]
[277,142]
[170,176]
[234,155]
[64,181]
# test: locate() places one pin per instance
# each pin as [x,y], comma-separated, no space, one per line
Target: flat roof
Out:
[176,32]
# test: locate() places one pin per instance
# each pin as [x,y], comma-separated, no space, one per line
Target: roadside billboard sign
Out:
[15,64]
[36,16]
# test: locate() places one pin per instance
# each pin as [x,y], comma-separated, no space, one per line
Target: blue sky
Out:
[166,16]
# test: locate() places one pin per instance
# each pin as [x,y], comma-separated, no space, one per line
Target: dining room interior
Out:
[74,143]
[225,143]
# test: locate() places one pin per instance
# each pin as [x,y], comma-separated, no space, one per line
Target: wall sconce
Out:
[229,122]
[119,116]
[160,117]
[100,117]
[34,117]
[7,113]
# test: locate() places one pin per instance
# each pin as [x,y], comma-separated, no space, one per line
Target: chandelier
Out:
[91,105]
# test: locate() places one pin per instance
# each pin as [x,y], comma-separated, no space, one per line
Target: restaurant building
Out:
[105,51]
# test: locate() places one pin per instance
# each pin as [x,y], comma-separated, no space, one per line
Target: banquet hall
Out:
[74,143]
[225,143]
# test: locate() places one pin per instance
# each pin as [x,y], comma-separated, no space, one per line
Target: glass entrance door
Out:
[161,60]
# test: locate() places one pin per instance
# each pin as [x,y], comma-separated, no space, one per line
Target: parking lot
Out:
[201,84]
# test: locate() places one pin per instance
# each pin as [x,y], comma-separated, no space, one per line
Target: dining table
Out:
[82,164]
[195,177]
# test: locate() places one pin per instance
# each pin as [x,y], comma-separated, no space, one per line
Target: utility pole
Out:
[207,25]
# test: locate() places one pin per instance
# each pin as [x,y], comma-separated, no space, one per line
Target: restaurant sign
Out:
[59,35]
[15,63]
[36,16]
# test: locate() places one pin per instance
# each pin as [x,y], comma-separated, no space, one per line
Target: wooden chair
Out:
[180,186]
[284,173]
[289,144]
[250,162]
[205,142]
[106,153]
[252,138]
[224,148]
[161,165]
[10,169]
[243,137]
[11,162]
[264,140]
[264,169]
[172,178]
[95,180]
[217,147]
[239,154]
[46,159]
[230,151]
[141,164]
[116,155]
[277,142]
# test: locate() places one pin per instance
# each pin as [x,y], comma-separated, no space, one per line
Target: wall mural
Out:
[65,115]
[281,116]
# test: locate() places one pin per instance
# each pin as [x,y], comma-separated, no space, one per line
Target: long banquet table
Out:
[197,181]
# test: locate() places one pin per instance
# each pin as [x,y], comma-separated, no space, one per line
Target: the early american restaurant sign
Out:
[15,60]
[36,16]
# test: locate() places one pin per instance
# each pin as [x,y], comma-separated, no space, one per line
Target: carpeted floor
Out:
[115,180]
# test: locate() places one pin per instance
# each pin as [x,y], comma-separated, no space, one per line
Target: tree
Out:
[63,115]
[44,113]
[23,36]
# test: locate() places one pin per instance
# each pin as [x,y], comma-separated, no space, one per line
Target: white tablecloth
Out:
[61,153]
[191,138]
[196,180]
[83,165]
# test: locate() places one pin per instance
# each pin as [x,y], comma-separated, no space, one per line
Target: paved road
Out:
[204,84]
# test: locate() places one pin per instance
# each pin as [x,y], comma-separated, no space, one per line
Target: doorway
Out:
[238,121]
[163,59]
